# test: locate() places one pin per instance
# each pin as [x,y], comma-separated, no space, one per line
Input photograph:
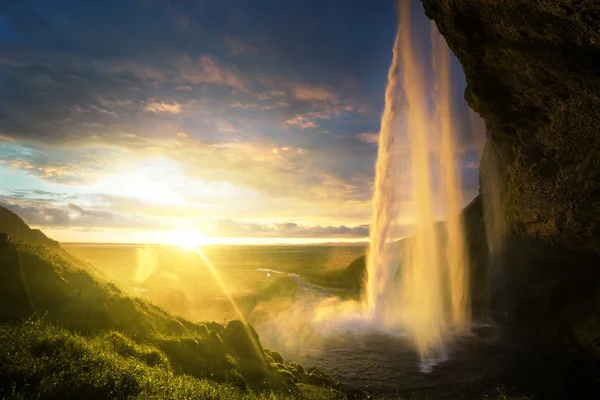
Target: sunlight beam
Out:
[217,277]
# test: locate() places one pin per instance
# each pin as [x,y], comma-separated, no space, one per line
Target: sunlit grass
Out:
[46,361]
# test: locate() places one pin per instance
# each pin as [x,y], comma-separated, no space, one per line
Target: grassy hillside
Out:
[68,334]
[13,225]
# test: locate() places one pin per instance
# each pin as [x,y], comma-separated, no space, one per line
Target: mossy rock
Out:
[298,367]
[275,356]
[242,340]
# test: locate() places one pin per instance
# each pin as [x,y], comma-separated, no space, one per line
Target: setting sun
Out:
[188,238]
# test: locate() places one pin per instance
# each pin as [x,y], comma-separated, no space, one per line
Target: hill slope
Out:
[67,334]
[14,226]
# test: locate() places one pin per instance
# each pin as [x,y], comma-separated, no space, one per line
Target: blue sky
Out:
[235,118]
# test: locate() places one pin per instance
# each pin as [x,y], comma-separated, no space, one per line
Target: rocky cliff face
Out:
[533,74]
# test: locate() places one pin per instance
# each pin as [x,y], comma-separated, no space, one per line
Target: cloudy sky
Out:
[128,120]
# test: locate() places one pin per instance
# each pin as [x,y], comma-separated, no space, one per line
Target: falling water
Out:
[415,173]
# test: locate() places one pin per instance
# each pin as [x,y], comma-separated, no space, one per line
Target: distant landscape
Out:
[179,279]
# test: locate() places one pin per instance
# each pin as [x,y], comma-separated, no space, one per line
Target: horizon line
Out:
[234,242]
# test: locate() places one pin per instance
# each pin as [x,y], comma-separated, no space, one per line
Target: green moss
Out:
[49,362]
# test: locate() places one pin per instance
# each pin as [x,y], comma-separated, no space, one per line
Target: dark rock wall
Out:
[533,73]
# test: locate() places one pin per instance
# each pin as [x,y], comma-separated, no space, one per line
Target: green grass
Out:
[68,334]
[41,360]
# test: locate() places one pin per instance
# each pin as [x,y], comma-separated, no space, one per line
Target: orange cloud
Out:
[301,122]
[207,69]
[159,107]
[313,93]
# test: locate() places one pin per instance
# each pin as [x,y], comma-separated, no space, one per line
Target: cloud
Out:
[301,122]
[237,47]
[103,110]
[76,208]
[111,104]
[277,93]
[305,92]
[227,127]
[179,68]
[37,214]
[206,69]
[52,171]
[122,67]
[369,137]
[253,106]
[186,85]
[158,107]
[232,228]
[73,165]
[73,215]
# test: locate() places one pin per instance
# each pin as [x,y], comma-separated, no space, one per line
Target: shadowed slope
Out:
[14,226]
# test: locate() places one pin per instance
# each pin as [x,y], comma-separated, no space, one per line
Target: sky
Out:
[145,120]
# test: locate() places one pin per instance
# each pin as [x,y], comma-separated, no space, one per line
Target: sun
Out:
[188,238]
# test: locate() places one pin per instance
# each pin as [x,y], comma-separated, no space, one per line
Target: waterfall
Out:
[421,286]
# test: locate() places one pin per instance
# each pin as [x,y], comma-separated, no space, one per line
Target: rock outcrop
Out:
[533,73]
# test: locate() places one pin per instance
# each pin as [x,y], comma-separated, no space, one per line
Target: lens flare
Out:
[223,287]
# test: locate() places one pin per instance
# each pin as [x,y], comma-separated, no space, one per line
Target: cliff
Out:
[533,73]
